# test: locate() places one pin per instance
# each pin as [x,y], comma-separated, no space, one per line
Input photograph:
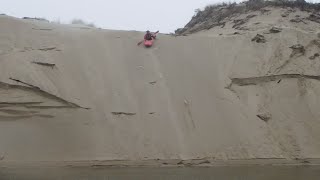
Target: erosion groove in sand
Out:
[17,112]
[44,64]
[265,79]
[36,90]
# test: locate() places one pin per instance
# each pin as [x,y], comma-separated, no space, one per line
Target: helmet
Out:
[148,31]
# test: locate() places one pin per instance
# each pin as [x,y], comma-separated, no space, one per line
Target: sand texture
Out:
[70,93]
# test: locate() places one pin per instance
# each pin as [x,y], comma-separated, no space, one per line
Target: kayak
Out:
[149,43]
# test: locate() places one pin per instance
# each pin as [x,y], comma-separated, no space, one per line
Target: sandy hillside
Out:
[81,94]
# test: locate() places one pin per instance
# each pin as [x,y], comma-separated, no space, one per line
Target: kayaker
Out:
[149,36]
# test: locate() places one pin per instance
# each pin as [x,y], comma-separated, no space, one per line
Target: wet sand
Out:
[213,173]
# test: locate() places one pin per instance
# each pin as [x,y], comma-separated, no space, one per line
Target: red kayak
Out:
[149,43]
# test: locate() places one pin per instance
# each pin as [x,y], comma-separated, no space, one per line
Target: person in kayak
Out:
[149,36]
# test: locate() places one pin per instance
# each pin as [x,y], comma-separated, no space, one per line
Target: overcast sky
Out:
[163,15]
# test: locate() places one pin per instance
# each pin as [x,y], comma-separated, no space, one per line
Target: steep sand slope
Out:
[79,94]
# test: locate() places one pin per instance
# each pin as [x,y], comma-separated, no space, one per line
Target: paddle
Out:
[140,42]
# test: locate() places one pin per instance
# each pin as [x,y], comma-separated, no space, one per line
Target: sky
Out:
[141,15]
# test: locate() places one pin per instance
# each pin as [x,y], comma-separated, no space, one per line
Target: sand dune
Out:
[82,94]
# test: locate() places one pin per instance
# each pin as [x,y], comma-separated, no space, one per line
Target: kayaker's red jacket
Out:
[148,36]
